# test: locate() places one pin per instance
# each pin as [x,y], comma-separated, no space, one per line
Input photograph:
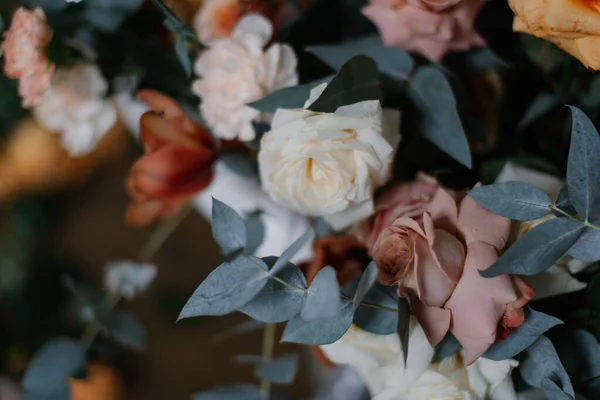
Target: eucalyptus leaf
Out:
[229,229]
[579,352]
[125,328]
[441,123]
[535,324]
[58,360]
[538,249]
[319,332]
[62,393]
[541,368]
[391,61]
[245,391]
[366,282]
[378,313]
[228,288]
[255,231]
[587,246]
[279,370]
[183,56]
[448,346]
[277,302]
[583,170]
[403,327]
[240,163]
[482,59]
[289,97]
[357,80]
[514,200]
[564,202]
[49,6]
[291,251]
[323,299]
[541,105]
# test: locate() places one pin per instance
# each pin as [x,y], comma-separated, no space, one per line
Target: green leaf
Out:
[541,105]
[579,352]
[183,56]
[255,228]
[240,163]
[49,6]
[393,62]
[228,228]
[514,200]
[289,97]
[125,329]
[403,327]
[587,245]
[366,282]
[291,251]
[583,169]
[358,80]
[227,288]
[535,325]
[175,24]
[319,332]
[538,249]
[483,58]
[591,98]
[52,365]
[277,302]
[541,368]
[441,123]
[279,370]
[380,316]
[323,299]
[564,202]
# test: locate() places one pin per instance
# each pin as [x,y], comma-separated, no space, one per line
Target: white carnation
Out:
[128,278]
[327,164]
[236,71]
[75,107]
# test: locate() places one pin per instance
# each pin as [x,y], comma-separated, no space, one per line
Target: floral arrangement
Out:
[397,184]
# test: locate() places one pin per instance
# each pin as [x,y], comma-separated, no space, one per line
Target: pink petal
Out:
[435,321]
[477,223]
[443,211]
[478,303]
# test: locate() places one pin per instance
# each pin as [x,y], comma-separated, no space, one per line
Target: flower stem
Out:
[267,355]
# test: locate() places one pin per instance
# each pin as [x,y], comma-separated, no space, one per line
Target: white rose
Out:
[327,164]
[236,71]
[76,108]
[128,278]
[557,279]
[378,359]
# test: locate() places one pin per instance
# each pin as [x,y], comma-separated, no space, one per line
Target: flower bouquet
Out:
[396,184]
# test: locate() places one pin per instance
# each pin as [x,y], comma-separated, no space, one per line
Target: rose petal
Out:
[435,321]
[443,211]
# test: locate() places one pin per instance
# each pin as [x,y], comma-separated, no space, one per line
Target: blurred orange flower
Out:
[178,160]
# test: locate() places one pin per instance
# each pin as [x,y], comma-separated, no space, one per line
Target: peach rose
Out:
[436,261]
[413,25]
[406,199]
[25,56]
[177,164]
[573,25]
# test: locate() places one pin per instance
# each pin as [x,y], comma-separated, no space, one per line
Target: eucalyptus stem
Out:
[585,223]
[267,355]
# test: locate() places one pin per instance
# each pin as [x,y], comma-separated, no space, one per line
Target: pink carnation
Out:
[420,26]
[436,259]
[25,56]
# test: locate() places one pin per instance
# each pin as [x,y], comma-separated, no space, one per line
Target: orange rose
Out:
[177,164]
[25,56]
[573,25]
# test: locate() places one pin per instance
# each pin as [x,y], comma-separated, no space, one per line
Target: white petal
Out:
[256,25]
[344,219]
[315,93]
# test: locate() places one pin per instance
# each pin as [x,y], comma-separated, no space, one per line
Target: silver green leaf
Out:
[229,229]
[290,97]
[125,329]
[279,370]
[323,299]
[366,282]
[587,246]
[515,200]
[319,332]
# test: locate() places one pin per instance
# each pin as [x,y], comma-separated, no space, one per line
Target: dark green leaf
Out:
[378,314]
[49,6]
[240,163]
[538,249]
[441,123]
[319,332]
[277,302]
[280,370]
[564,202]
[229,229]
[228,287]
[290,97]
[358,80]
[514,200]
[541,368]
[540,106]
[587,246]
[536,324]
[391,61]
[183,56]
[52,365]
[125,328]
[403,328]
[583,170]
[579,352]
[323,299]
[483,58]
[448,346]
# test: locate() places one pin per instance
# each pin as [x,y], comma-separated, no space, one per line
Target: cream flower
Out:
[75,108]
[236,71]
[380,363]
[327,164]
[128,278]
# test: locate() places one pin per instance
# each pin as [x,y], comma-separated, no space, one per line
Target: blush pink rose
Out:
[439,5]
[413,25]
[436,260]
[406,199]
[25,58]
